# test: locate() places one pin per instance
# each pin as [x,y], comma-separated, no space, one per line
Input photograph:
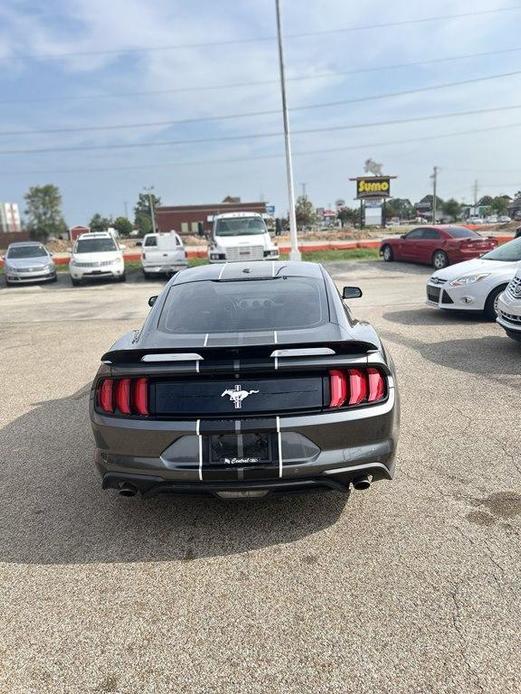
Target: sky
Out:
[114,79]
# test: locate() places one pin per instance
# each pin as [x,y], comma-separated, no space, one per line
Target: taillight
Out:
[356,386]
[337,387]
[106,401]
[141,396]
[123,396]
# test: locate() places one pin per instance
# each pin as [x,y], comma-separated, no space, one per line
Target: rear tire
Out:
[440,260]
[388,254]
[490,304]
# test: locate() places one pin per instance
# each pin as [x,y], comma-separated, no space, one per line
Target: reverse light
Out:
[124,396]
[356,386]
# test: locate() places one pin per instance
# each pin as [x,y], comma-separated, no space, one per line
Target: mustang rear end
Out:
[245,380]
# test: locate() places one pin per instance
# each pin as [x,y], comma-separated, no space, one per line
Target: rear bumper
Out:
[164,269]
[346,445]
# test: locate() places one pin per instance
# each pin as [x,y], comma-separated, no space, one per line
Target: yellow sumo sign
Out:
[373,186]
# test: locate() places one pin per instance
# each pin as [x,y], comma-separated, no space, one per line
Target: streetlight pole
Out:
[434,186]
[294,253]
[151,205]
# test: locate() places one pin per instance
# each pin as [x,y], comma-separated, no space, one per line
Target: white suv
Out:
[96,254]
[240,236]
[509,308]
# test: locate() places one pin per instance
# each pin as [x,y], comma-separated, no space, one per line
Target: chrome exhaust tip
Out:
[363,482]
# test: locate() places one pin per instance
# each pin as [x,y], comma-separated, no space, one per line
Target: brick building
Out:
[185,219]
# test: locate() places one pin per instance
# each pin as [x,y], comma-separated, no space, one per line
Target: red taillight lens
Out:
[356,386]
[337,387]
[105,399]
[123,395]
[376,385]
[141,396]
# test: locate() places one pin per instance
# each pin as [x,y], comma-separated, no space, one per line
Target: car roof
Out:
[260,269]
[96,235]
[19,244]
[237,215]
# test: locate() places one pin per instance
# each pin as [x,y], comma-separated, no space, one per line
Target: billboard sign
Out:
[373,187]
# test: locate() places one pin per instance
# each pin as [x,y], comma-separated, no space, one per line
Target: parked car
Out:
[240,236]
[28,261]
[475,220]
[314,404]
[436,245]
[504,219]
[509,308]
[96,255]
[163,254]
[475,285]
[492,219]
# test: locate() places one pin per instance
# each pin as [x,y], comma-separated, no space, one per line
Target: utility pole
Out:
[151,205]
[304,195]
[475,189]
[294,253]
[125,206]
[434,177]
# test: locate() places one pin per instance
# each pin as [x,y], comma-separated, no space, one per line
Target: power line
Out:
[238,85]
[251,114]
[322,150]
[229,42]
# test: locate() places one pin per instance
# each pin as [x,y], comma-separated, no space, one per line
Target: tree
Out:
[500,204]
[99,223]
[43,212]
[347,215]
[486,201]
[451,208]
[304,211]
[399,207]
[143,218]
[123,226]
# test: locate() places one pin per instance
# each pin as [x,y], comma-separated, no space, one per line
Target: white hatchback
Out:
[475,285]
[96,255]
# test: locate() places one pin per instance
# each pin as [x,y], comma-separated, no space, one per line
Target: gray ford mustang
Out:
[246,379]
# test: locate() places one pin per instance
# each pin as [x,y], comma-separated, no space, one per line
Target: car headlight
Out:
[468,279]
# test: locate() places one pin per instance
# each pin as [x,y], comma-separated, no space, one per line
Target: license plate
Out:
[240,449]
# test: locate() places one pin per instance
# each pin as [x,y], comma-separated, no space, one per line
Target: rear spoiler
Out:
[263,353]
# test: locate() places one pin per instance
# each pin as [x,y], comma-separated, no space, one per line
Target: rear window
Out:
[462,233]
[247,305]
[151,241]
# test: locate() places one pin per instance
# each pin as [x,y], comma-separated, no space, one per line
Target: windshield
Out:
[95,245]
[27,252]
[508,252]
[225,307]
[242,226]
[462,233]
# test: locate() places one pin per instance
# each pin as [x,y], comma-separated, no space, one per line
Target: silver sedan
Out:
[28,261]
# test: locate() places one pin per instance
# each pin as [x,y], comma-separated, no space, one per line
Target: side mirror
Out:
[152,300]
[402,236]
[51,254]
[139,243]
[351,293]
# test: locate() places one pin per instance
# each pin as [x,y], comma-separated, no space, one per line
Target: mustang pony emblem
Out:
[237,395]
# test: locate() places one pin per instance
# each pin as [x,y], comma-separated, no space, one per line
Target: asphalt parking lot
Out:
[412,586]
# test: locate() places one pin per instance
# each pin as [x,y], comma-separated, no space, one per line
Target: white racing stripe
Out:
[275,342]
[198,432]
[279,446]
[222,270]
[206,339]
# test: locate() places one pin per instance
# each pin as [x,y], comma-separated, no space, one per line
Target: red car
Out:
[438,246]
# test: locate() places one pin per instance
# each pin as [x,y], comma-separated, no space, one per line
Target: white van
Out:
[509,308]
[163,254]
[240,236]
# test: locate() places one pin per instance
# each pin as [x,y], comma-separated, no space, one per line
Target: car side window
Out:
[151,241]
[431,234]
[415,234]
